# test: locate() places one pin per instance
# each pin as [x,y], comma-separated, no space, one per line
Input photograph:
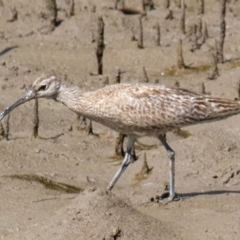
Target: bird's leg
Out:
[125,163]
[171,156]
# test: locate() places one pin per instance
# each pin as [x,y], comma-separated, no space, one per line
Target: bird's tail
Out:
[207,109]
[221,108]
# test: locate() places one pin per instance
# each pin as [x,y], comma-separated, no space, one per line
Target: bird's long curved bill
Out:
[28,96]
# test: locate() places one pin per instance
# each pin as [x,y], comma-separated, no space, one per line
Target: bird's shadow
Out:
[210,193]
[8,49]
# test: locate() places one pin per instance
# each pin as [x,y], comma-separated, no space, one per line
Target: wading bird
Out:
[135,110]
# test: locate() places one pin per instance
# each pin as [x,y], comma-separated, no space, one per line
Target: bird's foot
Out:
[166,198]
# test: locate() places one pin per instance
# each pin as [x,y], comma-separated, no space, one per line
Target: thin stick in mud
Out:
[220,57]
[180,61]
[2,131]
[182,19]
[213,73]
[118,76]
[119,151]
[146,79]
[7,127]
[100,45]
[35,119]
[158,35]
[166,4]
[140,34]
[70,8]
[50,13]
[200,7]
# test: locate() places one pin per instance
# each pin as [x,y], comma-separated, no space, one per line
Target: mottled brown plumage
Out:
[145,109]
[135,110]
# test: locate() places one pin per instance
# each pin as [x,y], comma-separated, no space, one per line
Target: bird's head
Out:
[44,87]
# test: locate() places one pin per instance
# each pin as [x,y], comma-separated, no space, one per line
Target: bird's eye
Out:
[42,88]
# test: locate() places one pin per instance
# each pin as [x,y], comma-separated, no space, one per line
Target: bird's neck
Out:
[74,99]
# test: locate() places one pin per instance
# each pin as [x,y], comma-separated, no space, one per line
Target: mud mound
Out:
[97,214]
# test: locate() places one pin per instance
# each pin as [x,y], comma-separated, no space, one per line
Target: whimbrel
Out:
[136,110]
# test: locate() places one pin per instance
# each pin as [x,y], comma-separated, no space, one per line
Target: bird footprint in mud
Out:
[230,176]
